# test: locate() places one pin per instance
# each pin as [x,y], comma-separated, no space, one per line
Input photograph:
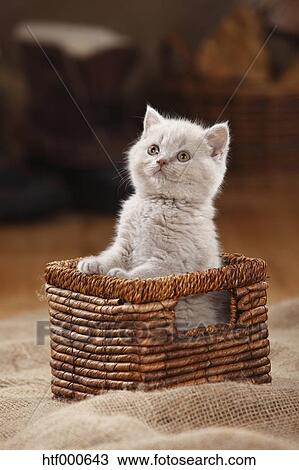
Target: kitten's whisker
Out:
[125,180]
[122,182]
[122,174]
[128,182]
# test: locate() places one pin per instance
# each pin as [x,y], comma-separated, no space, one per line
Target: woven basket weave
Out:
[110,333]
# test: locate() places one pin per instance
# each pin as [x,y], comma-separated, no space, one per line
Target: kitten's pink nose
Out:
[161,162]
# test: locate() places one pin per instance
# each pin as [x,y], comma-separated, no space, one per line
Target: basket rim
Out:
[237,271]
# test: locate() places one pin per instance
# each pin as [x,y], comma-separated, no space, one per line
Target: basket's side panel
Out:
[252,309]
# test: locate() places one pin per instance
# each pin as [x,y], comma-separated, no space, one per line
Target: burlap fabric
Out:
[212,416]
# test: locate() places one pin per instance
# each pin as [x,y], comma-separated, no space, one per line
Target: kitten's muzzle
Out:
[161,162]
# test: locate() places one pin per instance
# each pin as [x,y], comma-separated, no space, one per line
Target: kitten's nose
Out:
[161,162]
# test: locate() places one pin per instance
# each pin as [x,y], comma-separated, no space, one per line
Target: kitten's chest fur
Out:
[177,233]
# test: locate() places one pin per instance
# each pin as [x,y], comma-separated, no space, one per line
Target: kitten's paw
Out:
[117,272]
[90,265]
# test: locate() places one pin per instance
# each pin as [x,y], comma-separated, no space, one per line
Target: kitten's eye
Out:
[183,156]
[153,150]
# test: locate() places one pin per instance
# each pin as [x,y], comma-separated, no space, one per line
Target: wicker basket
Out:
[109,333]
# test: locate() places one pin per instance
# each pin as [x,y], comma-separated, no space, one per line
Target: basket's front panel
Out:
[239,353]
[98,345]
[236,351]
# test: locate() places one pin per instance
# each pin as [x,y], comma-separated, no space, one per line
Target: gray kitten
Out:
[167,226]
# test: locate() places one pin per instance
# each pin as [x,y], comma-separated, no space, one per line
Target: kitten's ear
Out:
[151,118]
[218,139]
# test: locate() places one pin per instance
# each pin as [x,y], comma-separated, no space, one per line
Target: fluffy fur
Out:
[166,226]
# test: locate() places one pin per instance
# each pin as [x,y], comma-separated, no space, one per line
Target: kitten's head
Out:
[176,158]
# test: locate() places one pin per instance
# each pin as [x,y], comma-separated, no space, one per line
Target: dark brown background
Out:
[258,211]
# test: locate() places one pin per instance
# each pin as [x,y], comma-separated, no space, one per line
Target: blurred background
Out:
[75,78]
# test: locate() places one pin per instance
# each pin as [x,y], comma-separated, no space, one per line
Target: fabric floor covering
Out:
[212,416]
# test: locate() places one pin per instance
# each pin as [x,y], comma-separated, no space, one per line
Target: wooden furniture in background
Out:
[91,63]
[263,121]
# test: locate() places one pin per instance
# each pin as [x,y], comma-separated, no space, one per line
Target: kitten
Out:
[167,226]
